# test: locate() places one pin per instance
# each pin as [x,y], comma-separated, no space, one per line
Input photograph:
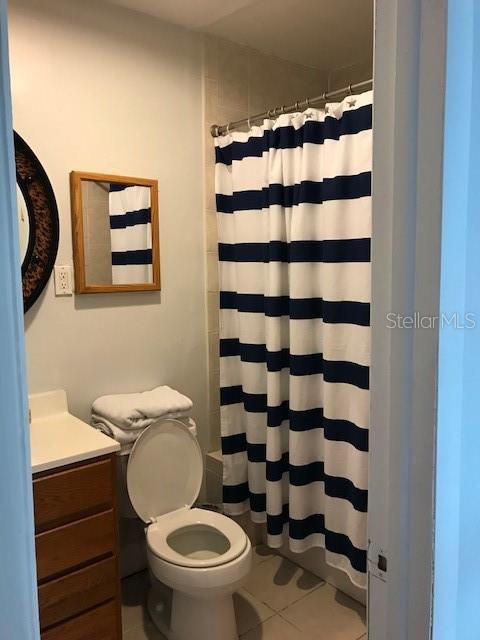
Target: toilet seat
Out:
[161,532]
[164,476]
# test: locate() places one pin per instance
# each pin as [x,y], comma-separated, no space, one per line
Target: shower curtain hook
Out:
[350,89]
[228,128]
[249,123]
[307,103]
[296,106]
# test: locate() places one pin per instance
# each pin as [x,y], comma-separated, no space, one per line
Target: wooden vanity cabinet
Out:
[77,547]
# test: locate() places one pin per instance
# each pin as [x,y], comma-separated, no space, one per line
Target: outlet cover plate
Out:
[63,280]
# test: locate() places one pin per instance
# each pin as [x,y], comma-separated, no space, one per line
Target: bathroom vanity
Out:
[76,533]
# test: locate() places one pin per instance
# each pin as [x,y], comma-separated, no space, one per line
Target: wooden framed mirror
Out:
[115,233]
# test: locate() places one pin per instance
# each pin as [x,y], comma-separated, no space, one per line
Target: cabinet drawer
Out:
[77,592]
[99,624]
[72,494]
[72,545]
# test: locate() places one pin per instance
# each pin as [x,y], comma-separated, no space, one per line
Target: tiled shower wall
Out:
[238,81]
[343,76]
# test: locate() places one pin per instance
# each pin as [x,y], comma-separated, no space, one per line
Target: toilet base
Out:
[191,618]
[159,610]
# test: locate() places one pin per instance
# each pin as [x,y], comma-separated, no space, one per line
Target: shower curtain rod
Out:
[218,130]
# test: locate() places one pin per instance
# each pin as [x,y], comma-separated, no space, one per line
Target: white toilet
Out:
[203,556]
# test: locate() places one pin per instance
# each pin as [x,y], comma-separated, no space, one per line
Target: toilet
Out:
[203,557]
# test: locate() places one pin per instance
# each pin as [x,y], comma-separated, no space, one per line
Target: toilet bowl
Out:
[203,557]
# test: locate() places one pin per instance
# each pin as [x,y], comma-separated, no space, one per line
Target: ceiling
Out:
[192,14]
[324,34]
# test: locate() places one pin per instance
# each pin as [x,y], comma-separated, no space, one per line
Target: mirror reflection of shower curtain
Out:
[294,218]
[130,233]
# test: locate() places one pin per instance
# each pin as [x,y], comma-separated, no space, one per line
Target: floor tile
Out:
[261,552]
[274,629]
[278,582]
[327,614]
[249,611]
[145,631]
[280,601]
[134,596]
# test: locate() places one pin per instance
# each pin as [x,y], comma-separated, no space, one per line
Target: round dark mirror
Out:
[23,225]
[37,220]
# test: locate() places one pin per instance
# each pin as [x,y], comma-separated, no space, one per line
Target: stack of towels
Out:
[125,416]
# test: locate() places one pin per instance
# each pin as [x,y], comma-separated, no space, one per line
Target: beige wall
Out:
[238,81]
[98,88]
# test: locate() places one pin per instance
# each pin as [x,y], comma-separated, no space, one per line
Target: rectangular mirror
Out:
[115,233]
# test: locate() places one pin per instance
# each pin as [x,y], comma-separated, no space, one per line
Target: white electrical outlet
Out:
[63,280]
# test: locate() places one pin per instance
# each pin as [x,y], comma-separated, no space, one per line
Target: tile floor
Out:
[280,601]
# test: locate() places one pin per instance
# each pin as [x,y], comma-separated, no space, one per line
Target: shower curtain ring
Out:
[307,102]
[324,96]
[350,89]
[296,106]
[228,128]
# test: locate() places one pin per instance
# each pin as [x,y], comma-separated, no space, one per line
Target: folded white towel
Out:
[127,437]
[139,410]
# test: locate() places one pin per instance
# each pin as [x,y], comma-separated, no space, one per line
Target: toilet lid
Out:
[165,470]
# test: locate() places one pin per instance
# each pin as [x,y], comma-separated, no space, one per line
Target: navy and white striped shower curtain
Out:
[294,219]
[130,233]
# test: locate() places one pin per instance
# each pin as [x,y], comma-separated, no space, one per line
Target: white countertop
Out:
[57,438]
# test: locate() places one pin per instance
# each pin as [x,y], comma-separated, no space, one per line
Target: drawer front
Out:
[77,592]
[71,494]
[99,624]
[75,544]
